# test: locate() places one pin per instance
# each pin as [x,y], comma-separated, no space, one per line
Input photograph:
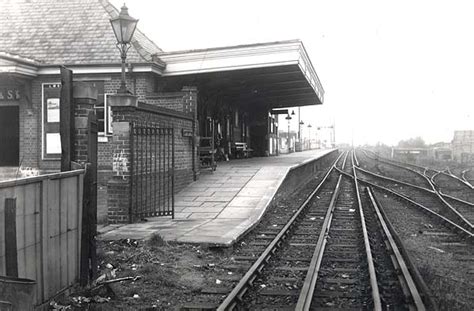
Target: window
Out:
[102,110]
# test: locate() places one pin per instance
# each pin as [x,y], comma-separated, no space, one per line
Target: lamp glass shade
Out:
[124,26]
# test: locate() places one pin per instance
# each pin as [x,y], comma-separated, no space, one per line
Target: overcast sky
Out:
[391,70]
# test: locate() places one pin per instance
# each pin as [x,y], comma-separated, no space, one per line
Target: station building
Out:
[230,93]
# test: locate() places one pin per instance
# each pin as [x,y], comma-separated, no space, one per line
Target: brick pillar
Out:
[190,106]
[85,97]
[119,186]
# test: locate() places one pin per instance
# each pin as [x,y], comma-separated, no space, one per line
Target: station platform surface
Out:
[220,206]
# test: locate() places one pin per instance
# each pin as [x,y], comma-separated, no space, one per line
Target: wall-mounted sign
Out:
[52,107]
[280,111]
[50,120]
[53,143]
[10,94]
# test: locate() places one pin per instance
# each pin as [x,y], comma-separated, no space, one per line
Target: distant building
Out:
[441,151]
[409,154]
[463,146]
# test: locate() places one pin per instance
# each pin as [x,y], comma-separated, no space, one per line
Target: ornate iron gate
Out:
[152,171]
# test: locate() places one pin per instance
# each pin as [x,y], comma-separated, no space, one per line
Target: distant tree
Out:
[380,144]
[416,142]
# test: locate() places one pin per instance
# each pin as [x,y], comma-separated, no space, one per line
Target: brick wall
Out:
[170,100]
[149,112]
[141,84]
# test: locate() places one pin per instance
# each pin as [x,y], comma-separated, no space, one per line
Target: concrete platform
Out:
[221,206]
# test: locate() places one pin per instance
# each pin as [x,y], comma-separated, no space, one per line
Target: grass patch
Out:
[449,294]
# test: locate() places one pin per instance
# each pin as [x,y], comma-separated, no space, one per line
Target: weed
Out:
[156,241]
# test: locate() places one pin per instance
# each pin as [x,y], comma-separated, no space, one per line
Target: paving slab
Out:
[221,206]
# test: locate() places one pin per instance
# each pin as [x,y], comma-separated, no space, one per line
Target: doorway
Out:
[9,136]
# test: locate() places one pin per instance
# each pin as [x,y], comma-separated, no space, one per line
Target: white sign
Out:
[52,105]
[53,143]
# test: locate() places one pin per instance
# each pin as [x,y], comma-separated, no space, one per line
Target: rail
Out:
[465,222]
[239,290]
[373,277]
[463,176]
[414,186]
[399,259]
[305,298]
[336,189]
[306,295]
[423,208]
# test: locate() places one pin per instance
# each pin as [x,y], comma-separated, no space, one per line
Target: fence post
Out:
[85,153]
[84,273]
[11,255]
[66,119]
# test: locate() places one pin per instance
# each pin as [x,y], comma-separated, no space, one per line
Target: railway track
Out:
[333,253]
[457,210]
[396,170]
[442,251]
[468,176]
[454,186]
[447,177]
[338,250]
[226,274]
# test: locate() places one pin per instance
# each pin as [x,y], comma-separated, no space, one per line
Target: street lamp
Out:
[309,134]
[299,134]
[289,119]
[124,26]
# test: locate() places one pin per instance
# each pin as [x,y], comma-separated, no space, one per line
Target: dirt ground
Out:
[162,276]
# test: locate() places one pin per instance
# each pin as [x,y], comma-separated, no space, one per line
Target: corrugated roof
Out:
[66,32]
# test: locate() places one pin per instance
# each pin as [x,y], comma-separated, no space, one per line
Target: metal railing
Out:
[152,171]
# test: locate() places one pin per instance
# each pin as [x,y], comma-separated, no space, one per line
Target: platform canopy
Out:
[279,74]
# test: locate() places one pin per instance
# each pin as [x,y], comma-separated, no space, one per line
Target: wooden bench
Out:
[207,153]
[241,150]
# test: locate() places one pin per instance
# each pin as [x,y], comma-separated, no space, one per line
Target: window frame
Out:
[51,127]
[107,116]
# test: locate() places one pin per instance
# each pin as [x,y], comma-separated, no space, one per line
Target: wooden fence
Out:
[48,230]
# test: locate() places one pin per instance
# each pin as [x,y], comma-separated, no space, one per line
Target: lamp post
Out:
[289,119]
[309,134]
[124,27]
[299,133]
[299,126]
